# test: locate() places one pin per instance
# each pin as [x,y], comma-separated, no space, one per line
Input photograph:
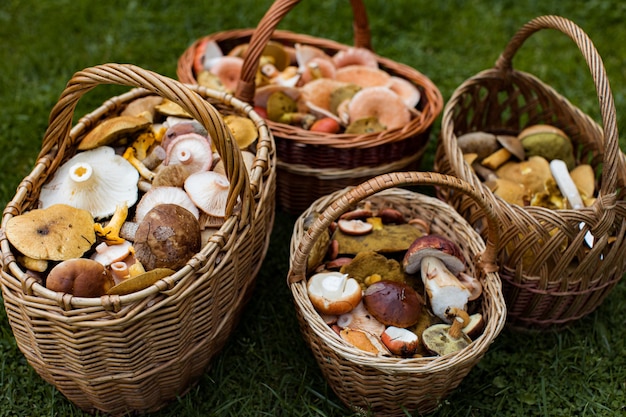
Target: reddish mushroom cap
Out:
[434,245]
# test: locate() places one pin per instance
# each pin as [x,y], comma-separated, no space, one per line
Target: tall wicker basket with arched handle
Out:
[550,276]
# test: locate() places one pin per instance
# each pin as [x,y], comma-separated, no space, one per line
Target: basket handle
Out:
[265,29]
[487,260]
[58,135]
[612,153]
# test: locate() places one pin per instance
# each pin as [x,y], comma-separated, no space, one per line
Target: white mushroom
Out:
[192,150]
[209,192]
[96,180]
[164,195]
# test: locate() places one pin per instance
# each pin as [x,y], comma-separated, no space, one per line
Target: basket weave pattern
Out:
[389,386]
[136,352]
[550,277]
[311,164]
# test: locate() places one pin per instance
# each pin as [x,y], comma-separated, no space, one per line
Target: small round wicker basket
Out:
[393,386]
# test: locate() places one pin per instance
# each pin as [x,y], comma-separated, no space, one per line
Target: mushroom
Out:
[569,191]
[209,192]
[55,233]
[406,90]
[433,245]
[108,254]
[364,341]
[192,150]
[317,68]
[355,56]
[363,76]
[243,130]
[207,51]
[142,107]
[531,173]
[354,227]
[306,53]
[548,142]
[178,127]
[474,326]
[111,232]
[481,143]
[139,282]
[444,339]
[167,237]
[319,92]
[97,180]
[113,129]
[228,69]
[444,290]
[170,176]
[393,303]
[400,341]
[381,103]
[333,293]
[164,195]
[360,319]
[80,277]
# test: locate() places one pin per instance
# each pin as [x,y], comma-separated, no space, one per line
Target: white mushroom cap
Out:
[192,150]
[164,195]
[209,191]
[96,180]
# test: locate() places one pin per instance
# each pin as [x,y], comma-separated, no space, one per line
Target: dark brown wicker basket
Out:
[550,277]
[311,164]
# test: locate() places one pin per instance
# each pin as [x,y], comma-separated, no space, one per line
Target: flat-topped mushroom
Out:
[56,233]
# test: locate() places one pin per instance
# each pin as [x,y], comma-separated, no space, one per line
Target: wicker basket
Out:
[312,164]
[134,353]
[390,386]
[549,275]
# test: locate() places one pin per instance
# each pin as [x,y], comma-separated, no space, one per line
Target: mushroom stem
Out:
[129,155]
[443,288]
[568,188]
[120,271]
[460,319]
[155,157]
[81,172]
[111,232]
[334,285]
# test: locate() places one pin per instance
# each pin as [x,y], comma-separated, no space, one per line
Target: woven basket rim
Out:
[264,157]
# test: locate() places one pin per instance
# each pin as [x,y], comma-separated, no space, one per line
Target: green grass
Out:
[266,368]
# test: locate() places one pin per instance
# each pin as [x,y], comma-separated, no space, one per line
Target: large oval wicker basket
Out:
[313,164]
[550,276]
[134,353]
[394,386]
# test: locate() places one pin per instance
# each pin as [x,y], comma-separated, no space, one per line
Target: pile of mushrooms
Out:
[536,167]
[346,92]
[388,286]
[141,196]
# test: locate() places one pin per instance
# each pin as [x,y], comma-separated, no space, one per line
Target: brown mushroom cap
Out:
[168,237]
[434,245]
[81,277]
[55,233]
[393,303]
